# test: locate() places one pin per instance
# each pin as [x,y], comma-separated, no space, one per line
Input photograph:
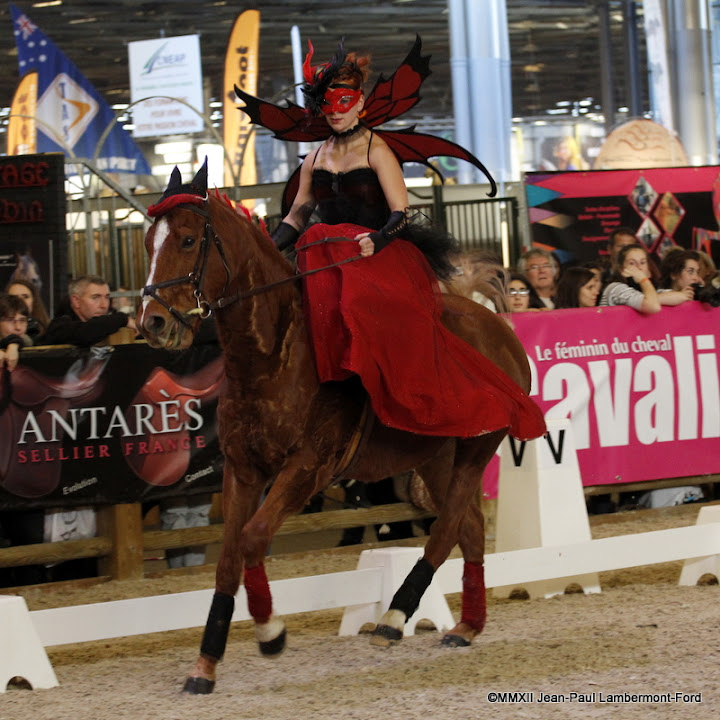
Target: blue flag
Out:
[71,114]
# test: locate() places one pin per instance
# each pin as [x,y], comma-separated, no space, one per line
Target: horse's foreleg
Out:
[239,503]
[292,488]
[270,630]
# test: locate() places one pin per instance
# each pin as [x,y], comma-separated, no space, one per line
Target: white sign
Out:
[160,70]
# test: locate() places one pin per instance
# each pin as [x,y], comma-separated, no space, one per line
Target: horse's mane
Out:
[242,234]
[236,212]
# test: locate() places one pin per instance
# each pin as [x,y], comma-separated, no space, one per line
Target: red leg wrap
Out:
[474,607]
[258,594]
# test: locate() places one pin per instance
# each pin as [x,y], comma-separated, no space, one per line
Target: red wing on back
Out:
[397,94]
[290,191]
[390,98]
[287,123]
[410,146]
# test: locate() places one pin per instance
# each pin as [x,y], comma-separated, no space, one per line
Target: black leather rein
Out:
[205,308]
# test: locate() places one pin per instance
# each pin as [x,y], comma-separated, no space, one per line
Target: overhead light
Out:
[165,170]
[173,147]
[178,157]
[49,3]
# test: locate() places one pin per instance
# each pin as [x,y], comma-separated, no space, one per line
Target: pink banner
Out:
[641,391]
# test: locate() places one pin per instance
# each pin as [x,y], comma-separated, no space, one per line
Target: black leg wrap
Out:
[407,598]
[217,626]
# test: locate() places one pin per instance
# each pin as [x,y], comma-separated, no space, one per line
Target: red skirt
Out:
[380,318]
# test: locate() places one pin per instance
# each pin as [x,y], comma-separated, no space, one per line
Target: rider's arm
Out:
[288,230]
[389,172]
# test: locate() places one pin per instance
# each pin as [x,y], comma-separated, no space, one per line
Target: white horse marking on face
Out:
[162,230]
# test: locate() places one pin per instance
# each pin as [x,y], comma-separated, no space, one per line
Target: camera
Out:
[707,294]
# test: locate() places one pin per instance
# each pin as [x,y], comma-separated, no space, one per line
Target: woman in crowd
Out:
[371,317]
[39,318]
[680,269]
[13,330]
[632,284]
[17,527]
[520,295]
[579,287]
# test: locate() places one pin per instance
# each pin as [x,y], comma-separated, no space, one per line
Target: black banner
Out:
[109,425]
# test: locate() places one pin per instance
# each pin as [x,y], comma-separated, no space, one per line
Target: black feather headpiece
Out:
[318,79]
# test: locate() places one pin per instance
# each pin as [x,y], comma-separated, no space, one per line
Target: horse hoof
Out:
[455,641]
[271,648]
[386,636]
[199,686]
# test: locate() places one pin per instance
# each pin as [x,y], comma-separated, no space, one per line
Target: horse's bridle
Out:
[196,277]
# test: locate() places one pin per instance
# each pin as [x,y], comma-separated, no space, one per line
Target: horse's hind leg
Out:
[453,491]
[239,504]
[474,607]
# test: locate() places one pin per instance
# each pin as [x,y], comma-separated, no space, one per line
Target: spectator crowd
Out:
[626,275]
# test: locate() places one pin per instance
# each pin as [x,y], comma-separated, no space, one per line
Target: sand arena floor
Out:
[643,635]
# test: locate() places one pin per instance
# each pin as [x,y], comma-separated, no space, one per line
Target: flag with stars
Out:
[71,115]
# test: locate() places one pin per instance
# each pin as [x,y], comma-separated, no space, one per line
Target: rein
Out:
[196,277]
[225,301]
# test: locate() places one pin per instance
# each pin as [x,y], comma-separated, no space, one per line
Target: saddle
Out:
[25,390]
[162,458]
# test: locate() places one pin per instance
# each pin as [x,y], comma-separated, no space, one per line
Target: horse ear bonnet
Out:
[194,193]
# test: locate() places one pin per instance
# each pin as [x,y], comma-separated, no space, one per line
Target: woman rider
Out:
[380,317]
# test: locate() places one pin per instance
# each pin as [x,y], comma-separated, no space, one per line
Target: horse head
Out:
[200,250]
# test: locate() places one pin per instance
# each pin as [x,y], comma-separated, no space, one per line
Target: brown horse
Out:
[281,429]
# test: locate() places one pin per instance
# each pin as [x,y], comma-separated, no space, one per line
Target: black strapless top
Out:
[351,197]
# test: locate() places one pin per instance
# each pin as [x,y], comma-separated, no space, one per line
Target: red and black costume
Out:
[380,317]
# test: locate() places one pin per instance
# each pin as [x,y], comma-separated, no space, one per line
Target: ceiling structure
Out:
[555,61]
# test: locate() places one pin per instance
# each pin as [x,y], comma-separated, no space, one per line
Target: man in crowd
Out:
[84,319]
[541,269]
[617,240]
[88,319]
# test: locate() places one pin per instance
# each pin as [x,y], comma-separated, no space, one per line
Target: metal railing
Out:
[107,226]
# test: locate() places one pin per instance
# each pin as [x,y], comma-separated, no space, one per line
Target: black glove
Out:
[396,223]
[284,236]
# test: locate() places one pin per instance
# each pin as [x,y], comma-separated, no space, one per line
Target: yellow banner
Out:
[21,135]
[241,69]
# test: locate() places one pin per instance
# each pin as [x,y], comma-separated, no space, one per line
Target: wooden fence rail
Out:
[122,541]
